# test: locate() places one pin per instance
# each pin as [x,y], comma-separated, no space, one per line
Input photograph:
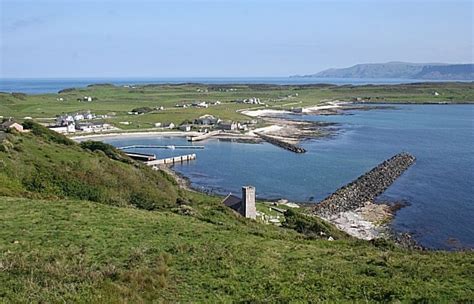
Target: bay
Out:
[439,188]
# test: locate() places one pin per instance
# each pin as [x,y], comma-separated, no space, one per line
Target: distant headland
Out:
[400,70]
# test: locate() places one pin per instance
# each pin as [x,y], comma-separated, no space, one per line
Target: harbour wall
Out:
[172,160]
[277,142]
[365,188]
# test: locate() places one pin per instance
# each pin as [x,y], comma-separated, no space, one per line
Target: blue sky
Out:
[225,38]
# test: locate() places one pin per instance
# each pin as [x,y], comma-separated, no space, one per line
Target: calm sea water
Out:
[439,187]
[41,86]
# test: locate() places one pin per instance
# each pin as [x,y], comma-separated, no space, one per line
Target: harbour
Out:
[440,136]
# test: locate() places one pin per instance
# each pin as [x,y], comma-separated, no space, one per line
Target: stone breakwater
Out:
[280,143]
[365,188]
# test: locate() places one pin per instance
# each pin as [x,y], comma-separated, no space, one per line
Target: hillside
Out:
[402,70]
[44,164]
[71,251]
[59,243]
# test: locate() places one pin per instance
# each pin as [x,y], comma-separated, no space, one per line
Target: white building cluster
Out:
[251,100]
[80,122]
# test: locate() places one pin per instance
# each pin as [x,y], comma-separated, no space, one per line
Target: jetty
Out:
[171,160]
[365,188]
[141,156]
[203,136]
[171,147]
[280,143]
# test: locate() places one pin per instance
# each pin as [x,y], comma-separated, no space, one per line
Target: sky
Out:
[259,38]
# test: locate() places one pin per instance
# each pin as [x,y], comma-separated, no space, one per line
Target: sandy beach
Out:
[263,113]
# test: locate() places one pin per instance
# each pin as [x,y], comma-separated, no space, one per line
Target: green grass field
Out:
[118,100]
[64,251]
[62,243]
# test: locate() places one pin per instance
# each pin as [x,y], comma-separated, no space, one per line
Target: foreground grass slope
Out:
[63,251]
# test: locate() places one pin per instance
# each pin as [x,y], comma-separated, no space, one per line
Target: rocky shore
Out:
[365,188]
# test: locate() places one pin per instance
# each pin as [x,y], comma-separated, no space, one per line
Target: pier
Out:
[141,156]
[365,188]
[204,136]
[171,147]
[172,160]
[282,144]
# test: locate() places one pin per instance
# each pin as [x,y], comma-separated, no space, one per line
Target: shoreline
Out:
[370,222]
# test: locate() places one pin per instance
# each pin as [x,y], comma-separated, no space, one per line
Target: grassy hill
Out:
[44,164]
[61,244]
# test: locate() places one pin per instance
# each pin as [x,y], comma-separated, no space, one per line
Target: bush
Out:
[47,168]
[21,96]
[108,150]
[47,134]
[142,110]
[311,226]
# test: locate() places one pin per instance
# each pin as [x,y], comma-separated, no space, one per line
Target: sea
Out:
[438,189]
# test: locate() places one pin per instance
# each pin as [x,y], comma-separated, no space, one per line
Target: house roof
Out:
[232,201]
[8,123]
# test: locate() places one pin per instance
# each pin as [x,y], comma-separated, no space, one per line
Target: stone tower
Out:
[247,208]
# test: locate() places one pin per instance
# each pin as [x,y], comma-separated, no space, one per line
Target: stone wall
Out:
[282,144]
[365,188]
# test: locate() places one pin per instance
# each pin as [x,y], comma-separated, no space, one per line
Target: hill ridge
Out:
[401,70]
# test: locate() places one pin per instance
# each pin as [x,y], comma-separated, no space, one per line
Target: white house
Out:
[242,127]
[84,127]
[185,128]
[68,128]
[8,125]
[201,104]
[78,116]
[207,120]
[101,126]
[64,120]
[88,115]
[169,125]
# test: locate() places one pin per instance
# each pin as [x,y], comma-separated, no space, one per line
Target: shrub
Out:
[47,134]
[109,150]
[311,226]
[142,110]
[18,95]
